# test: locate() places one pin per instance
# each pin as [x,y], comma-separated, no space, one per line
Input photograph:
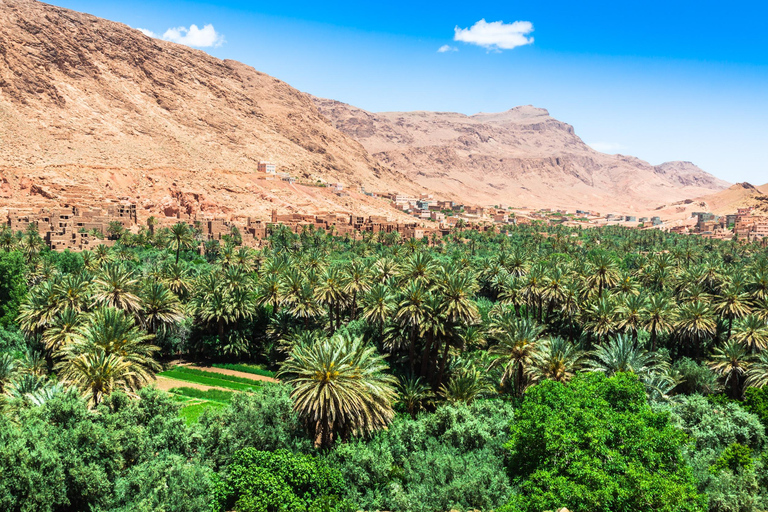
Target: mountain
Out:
[522,157]
[93,109]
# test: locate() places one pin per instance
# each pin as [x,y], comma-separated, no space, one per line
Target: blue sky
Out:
[661,80]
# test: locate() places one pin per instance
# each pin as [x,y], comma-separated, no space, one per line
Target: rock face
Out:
[79,94]
[522,157]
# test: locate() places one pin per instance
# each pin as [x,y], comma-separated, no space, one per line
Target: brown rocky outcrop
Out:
[519,157]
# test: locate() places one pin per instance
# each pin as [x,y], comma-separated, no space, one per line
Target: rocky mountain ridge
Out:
[522,156]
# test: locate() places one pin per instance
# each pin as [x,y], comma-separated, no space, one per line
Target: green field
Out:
[246,368]
[205,378]
[196,400]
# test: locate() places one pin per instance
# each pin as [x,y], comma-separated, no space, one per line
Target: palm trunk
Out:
[443,361]
[425,355]
[330,316]
[412,348]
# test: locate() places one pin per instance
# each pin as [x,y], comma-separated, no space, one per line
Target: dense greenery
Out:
[600,369]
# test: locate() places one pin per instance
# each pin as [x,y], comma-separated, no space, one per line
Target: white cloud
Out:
[148,33]
[193,36]
[607,147]
[447,48]
[496,35]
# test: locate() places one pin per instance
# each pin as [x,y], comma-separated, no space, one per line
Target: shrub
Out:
[259,481]
[595,445]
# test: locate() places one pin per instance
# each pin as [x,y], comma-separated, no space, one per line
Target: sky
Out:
[660,80]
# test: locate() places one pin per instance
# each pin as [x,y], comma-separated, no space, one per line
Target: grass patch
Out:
[215,395]
[246,368]
[191,413]
[211,379]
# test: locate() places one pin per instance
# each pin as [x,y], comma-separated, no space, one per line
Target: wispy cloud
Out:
[447,48]
[607,147]
[205,37]
[496,35]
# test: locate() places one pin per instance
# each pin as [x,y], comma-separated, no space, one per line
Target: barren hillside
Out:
[522,157]
[79,94]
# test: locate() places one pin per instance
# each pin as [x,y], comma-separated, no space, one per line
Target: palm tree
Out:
[603,272]
[7,240]
[108,352]
[180,238]
[659,317]
[464,387]
[73,292]
[731,361]
[377,306]
[733,303]
[600,318]
[695,323]
[757,374]
[330,292]
[340,387]
[178,278]
[414,394]
[115,286]
[159,307]
[752,332]
[355,283]
[8,369]
[631,313]
[555,359]
[411,312]
[516,340]
[62,331]
[622,354]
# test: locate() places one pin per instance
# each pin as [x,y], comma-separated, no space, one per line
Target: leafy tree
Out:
[594,444]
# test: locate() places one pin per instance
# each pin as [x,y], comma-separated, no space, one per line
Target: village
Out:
[79,228]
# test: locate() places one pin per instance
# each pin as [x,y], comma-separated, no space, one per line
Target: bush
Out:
[756,402]
[259,481]
[452,459]
[595,445]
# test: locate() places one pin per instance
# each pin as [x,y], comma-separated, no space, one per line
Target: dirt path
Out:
[233,373]
[166,384]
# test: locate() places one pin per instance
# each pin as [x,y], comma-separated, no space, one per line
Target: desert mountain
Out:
[522,157]
[91,109]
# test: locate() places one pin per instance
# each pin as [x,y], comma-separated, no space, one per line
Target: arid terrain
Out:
[522,157]
[92,109]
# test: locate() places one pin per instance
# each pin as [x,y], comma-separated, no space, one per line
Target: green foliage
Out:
[735,458]
[260,481]
[13,287]
[756,402]
[723,434]
[595,445]
[451,459]
[264,419]
[192,413]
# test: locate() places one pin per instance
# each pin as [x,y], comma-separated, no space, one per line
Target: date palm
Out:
[603,273]
[8,369]
[179,237]
[733,303]
[377,305]
[330,291]
[731,362]
[757,374]
[622,354]
[73,291]
[356,283]
[159,307]
[659,317]
[340,387]
[752,332]
[62,331]
[178,278]
[115,286]
[516,342]
[108,352]
[415,394]
[39,308]
[465,386]
[695,324]
[411,312]
[631,312]
[600,318]
[555,359]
